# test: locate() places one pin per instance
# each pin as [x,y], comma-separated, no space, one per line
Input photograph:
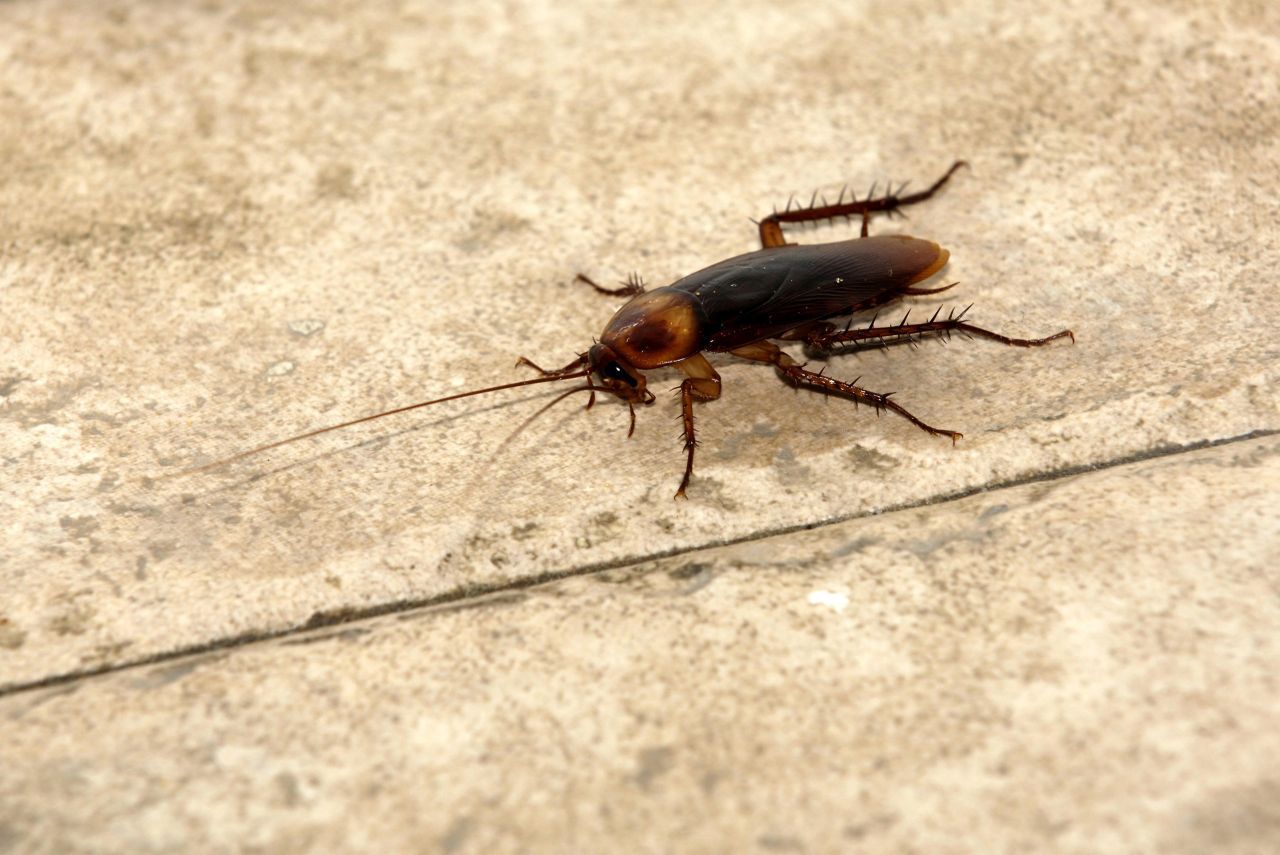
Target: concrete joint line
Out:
[343,617]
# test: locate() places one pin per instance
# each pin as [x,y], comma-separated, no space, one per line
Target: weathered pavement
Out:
[221,224]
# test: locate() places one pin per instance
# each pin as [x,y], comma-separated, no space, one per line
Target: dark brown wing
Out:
[765,293]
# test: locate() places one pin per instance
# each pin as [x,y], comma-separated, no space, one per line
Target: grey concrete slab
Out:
[224,223]
[1083,665]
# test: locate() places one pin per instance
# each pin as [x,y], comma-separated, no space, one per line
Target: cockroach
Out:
[745,304]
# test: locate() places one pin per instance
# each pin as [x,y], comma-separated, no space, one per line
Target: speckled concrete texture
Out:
[223,223]
[932,680]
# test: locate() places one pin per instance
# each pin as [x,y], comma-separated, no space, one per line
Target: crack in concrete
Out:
[340,617]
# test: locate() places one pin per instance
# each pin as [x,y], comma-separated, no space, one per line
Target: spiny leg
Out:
[825,336]
[576,365]
[771,226]
[702,384]
[690,439]
[764,351]
[579,361]
[631,286]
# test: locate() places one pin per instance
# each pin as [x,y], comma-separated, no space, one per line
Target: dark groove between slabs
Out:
[341,617]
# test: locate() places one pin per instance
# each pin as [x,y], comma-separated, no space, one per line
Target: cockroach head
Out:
[617,376]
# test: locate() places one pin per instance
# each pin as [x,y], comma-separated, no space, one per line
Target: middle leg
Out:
[824,337]
[763,351]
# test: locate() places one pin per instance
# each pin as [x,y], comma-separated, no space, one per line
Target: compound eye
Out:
[613,371]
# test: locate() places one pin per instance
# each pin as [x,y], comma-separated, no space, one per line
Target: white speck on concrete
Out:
[834,600]
[306,327]
[280,369]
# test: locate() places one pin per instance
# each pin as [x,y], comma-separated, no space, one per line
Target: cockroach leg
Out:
[576,365]
[764,351]
[631,286]
[891,202]
[690,440]
[702,383]
[823,338]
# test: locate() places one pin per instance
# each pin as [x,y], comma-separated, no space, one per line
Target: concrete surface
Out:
[931,680]
[224,223]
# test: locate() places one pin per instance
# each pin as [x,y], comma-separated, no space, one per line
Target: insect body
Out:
[743,305]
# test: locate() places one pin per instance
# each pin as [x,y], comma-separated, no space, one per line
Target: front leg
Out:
[576,365]
[701,383]
[631,286]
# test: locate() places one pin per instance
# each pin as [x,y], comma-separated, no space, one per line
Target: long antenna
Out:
[524,424]
[233,458]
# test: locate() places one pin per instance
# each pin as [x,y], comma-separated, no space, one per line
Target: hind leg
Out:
[892,201]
